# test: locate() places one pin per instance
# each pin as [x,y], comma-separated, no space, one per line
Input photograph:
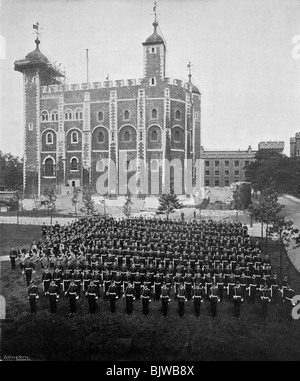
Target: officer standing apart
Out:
[53,293]
[33,297]
[13,254]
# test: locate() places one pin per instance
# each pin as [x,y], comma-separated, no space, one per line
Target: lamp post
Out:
[18,198]
[280,242]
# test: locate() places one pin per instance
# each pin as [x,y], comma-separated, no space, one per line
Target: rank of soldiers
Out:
[151,259]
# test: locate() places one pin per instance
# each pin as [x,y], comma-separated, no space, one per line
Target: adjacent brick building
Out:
[94,134]
[295,145]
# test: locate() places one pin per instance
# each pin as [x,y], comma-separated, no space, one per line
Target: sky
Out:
[244,55]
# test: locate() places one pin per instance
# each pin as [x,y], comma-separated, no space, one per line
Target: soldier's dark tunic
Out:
[145,296]
[53,296]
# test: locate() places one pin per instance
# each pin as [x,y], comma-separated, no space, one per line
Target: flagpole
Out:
[87,65]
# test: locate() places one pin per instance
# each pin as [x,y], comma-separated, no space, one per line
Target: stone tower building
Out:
[138,133]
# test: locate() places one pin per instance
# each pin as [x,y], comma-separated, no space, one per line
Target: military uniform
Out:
[46,279]
[53,296]
[91,295]
[214,299]
[130,297]
[28,269]
[165,299]
[33,297]
[181,297]
[265,298]
[112,295]
[237,300]
[146,299]
[72,294]
[13,254]
[198,294]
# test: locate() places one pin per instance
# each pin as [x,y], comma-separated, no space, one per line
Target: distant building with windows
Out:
[222,168]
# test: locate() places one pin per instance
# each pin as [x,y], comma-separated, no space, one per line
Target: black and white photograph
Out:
[149,183]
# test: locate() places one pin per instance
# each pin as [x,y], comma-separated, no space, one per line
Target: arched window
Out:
[74,164]
[154,136]
[100,137]
[177,136]
[49,167]
[68,115]
[178,115]
[49,138]
[45,116]
[100,166]
[78,114]
[54,116]
[126,115]
[126,137]
[100,116]
[152,82]
[154,165]
[74,137]
[154,114]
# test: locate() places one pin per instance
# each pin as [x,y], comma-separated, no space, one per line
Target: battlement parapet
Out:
[108,84]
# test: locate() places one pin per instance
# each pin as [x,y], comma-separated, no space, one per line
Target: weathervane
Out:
[154,10]
[36,29]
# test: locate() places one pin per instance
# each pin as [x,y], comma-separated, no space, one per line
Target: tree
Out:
[88,202]
[11,172]
[168,203]
[286,233]
[266,209]
[127,204]
[51,199]
[282,171]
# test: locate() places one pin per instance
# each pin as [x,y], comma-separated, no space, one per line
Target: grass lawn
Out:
[15,235]
[121,337]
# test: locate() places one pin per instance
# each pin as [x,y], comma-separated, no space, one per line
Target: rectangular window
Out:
[226,173]
[226,163]
[217,163]
[206,173]
[217,173]
[196,115]
[226,183]
[217,183]
[236,163]
[141,135]
[247,162]
[207,163]
[236,173]
[30,126]
[207,183]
